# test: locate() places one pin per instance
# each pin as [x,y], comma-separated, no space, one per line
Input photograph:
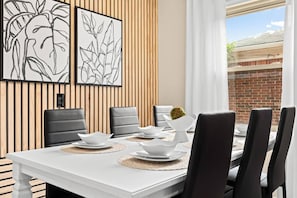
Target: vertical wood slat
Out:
[18,121]
[3,140]
[25,116]
[31,116]
[10,116]
[44,107]
[38,130]
[22,104]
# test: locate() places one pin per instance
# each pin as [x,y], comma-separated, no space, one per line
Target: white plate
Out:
[171,157]
[84,145]
[191,130]
[143,136]
[240,134]
[145,154]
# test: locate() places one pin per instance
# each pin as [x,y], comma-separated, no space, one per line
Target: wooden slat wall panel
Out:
[22,103]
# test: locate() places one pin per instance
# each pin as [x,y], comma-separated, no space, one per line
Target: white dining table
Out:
[97,175]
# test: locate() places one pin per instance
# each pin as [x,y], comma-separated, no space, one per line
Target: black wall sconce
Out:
[60,100]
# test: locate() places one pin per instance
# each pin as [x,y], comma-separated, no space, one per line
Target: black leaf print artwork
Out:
[35,40]
[98,49]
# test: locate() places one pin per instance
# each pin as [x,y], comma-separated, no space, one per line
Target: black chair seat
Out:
[232,175]
[228,191]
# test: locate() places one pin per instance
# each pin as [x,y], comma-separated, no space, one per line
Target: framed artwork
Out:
[98,49]
[35,41]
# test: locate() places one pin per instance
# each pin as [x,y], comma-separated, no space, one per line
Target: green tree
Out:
[230,48]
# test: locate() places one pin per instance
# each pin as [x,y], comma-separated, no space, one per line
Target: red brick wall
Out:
[255,89]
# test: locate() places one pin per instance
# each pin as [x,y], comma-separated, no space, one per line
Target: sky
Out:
[252,25]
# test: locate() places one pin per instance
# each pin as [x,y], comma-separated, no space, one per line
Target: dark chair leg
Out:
[266,194]
[284,190]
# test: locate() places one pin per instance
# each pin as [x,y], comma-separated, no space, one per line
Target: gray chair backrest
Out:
[210,156]
[61,126]
[159,111]
[123,121]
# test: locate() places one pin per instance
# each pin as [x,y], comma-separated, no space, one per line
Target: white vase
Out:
[181,126]
[181,137]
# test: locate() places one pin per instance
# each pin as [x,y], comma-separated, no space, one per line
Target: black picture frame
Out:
[98,49]
[35,39]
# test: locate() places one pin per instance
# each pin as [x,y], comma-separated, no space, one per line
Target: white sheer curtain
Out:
[289,89]
[206,63]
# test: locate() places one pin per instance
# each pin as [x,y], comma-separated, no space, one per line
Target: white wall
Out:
[172,40]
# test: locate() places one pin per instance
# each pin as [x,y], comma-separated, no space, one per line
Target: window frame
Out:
[252,6]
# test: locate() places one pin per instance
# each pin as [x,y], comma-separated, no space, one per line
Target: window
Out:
[255,54]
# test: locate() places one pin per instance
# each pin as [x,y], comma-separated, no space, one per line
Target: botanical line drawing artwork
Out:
[98,49]
[36,40]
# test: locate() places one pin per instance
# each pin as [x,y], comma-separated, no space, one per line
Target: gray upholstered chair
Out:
[60,128]
[159,111]
[123,121]
[245,179]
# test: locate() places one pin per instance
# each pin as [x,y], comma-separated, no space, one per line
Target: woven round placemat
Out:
[73,149]
[132,162]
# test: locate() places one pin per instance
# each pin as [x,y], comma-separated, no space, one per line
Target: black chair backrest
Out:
[123,121]
[210,156]
[276,168]
[61,126]
[158,112]
[248,177]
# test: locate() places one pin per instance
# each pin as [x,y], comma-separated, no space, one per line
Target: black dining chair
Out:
[123,121]
[210,156]
[61,127]
[244,180]
[158,112]
[276,169]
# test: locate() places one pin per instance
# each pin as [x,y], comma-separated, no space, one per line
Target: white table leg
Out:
[22,187]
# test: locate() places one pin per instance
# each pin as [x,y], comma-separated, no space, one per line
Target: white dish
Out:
[94,138]
[240,130]
[158,147]
[191,130]
[175,155]
[145,154]
[144,136]
[84,145]
[239,133]
[151,130]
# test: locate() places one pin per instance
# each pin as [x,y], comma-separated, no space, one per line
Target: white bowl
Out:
[240,129]
[94,138]
[158,147]
[183,123]
[150,130]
